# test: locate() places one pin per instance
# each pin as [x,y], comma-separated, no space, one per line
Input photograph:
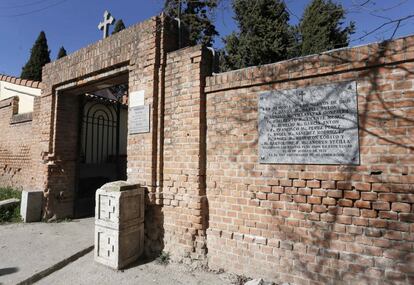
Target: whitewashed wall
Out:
[26,95]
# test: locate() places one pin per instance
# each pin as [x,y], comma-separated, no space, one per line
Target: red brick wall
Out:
[15,146]
[141,52]
[185,208]
[208,194]
[62,172]
[138,50]
[316,224]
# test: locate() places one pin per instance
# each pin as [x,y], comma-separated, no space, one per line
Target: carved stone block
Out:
[117,249]
[119,224]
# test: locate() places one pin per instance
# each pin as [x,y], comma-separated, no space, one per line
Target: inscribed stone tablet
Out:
[313,125]
[139,120]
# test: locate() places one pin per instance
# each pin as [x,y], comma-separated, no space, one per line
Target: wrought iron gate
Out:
[99,160]
[100,135]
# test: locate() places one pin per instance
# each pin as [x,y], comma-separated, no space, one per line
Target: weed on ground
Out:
[163,258]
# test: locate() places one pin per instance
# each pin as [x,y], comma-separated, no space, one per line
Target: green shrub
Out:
[10,214]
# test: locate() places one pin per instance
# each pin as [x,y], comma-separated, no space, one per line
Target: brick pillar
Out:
[62,167]
[185,203]
[43,116]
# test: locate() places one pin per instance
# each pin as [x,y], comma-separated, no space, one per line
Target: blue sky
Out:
[73,23]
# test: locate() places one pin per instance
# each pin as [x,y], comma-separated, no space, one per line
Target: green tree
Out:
[61,53]
[264,34]
[196,16]
[321,27]
[39,56]
[119,26]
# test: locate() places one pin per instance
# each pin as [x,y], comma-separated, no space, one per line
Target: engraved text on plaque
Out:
[313,125]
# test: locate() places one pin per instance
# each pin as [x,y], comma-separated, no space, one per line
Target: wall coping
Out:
[21,118]
[330,62]
[96,45]
[20,81]
[109,53]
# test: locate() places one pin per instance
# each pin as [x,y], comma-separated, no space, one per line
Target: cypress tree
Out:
[61,53]
[196,16]
[264,34]
[39,56]
[119,26]
[321,27]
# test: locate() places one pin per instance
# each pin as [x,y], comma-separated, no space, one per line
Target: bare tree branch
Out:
[385,24]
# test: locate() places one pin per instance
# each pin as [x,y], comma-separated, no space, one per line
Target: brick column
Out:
[185,204]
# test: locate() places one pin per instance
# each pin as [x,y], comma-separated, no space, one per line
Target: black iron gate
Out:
[100,135]
[99,160]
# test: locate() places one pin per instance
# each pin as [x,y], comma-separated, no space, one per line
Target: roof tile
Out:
[20,81]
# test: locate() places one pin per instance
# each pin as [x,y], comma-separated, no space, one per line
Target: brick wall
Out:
[62,170]
[316,224]
[185,204]
[15,146]
[208,196]
[136,51]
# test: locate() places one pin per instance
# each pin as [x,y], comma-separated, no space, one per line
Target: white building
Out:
[26,90]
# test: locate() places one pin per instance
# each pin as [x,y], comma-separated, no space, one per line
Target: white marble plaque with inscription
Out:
[139,120]
[313,125]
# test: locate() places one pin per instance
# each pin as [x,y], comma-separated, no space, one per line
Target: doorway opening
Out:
[103,144]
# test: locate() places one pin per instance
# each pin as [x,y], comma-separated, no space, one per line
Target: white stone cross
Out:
[108,20]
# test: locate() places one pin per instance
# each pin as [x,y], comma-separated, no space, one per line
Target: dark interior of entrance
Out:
[102,141]
[102,155]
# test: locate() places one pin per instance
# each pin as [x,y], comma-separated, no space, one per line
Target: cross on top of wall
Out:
[108,20]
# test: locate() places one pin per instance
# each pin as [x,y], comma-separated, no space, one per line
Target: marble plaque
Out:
[136,98]
[139,120]
[313,125]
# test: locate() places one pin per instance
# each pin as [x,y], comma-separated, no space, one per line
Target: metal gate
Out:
[99,160]
[100,132]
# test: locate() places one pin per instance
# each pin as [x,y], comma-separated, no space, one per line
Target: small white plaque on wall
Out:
[139,120]
[136,98]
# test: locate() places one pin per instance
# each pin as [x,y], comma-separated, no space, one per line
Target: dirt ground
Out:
[27,249]
[86,271]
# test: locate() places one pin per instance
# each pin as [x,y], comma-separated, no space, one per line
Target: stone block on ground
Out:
[9,203]
[259,281]
[119,224]
[119,205]
[31,206]
[117,249]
